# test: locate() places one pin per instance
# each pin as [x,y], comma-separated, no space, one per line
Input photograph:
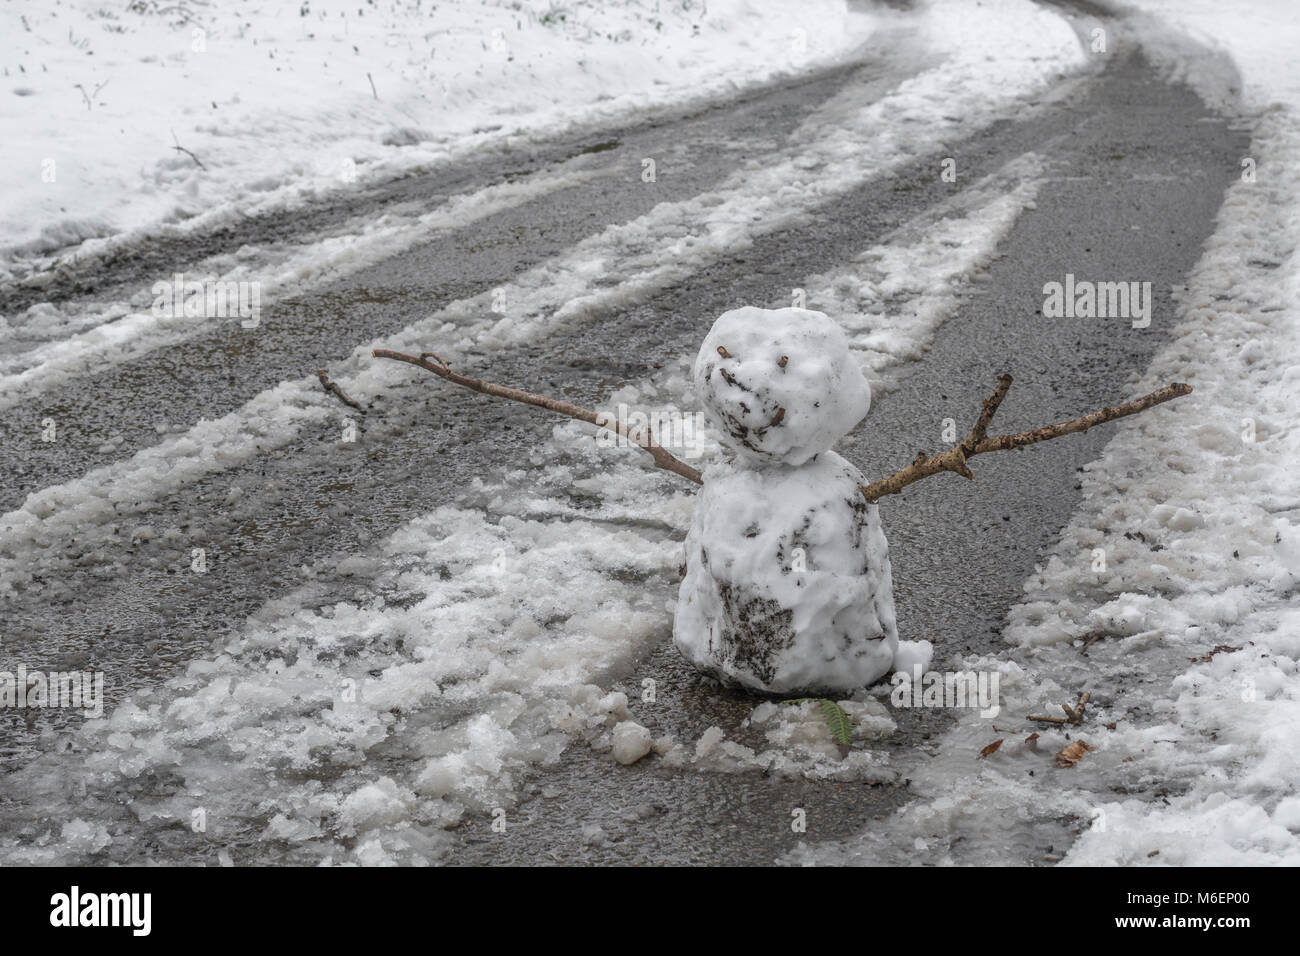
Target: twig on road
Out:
[334,390]
[1073,715]
[1091,638]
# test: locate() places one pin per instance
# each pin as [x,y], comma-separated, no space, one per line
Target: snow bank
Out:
[283,102]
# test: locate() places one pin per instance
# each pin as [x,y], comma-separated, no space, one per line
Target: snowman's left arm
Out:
[977,441]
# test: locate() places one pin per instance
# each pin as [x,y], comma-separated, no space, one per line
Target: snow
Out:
[1216,485]
[983,67]
[48,344]
[635,260]
[276,100]
[779,384]
[631,742]
[520,714]
[464,773]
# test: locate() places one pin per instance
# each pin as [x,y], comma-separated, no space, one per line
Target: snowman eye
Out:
[784,359]
[723,352]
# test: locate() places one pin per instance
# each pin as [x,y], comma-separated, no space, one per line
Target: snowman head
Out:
[779,385]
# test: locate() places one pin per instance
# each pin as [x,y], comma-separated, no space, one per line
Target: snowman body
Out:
[788,588]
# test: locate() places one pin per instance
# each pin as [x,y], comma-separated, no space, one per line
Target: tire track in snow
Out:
[118,333]
[107,415]
[642,258]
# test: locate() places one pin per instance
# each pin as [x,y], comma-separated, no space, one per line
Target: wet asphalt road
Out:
[1138,172]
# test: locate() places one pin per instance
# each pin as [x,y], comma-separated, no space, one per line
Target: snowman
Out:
[788,588]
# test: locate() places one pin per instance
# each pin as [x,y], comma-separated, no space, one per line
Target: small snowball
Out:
[631,742]
[911,654]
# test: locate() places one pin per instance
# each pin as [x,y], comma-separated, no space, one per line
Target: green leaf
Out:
[839,722]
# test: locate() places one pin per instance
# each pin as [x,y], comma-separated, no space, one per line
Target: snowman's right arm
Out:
[662,458]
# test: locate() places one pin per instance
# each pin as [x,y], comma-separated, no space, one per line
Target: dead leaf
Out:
[1072,754]
[991,748]
[1032,740]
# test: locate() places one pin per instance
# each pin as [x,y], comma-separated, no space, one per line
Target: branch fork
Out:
[977,441]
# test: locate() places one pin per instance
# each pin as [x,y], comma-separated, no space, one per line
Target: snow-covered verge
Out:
[1183,562]
[283,102]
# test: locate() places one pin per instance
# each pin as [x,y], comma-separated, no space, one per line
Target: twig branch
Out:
[1091,638]
[662,458]
[977,443]
[93,95]
[1073,715]
[181,149]
[333,389]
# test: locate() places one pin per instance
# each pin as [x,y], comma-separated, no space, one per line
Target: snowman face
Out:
[779,385]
